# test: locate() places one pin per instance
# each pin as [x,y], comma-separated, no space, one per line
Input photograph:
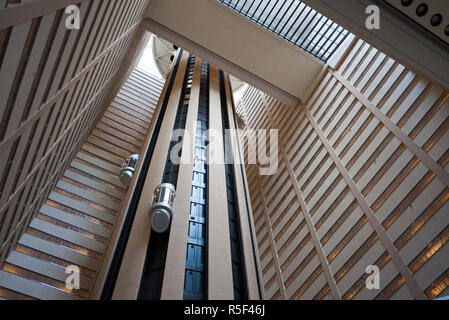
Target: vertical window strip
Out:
[196,259]
[238,268]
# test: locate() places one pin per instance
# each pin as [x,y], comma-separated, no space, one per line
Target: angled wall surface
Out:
[55,82]
[363,180]
[79,222]
[208,251]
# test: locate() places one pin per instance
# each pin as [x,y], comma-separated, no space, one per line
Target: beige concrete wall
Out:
[363,180]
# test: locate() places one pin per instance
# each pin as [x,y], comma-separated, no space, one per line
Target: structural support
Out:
[174,274]
[374,222]
[27,11]
[398,36]
[411,145]
[64,90]
[236,45]
[277,266]
[220,282]
[305,211]
[122,75]
[215,59]
[130,275]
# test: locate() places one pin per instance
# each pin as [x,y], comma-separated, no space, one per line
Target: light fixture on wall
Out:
[162,207]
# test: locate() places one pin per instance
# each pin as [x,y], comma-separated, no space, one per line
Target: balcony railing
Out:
[295,22]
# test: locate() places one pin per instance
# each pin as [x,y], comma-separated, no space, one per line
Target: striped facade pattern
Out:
[362,180]
[74,224]
[54,83]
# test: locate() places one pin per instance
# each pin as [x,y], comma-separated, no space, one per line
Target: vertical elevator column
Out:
[129,279]
[174,275]
[220,278]
[195,287]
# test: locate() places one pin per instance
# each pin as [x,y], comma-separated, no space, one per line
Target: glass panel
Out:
[295,22]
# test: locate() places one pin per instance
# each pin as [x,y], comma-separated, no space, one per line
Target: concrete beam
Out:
[236,45]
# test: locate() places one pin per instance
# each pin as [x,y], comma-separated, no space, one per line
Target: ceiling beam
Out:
[217,60]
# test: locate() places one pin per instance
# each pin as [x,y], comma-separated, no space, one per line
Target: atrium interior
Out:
[224,150]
